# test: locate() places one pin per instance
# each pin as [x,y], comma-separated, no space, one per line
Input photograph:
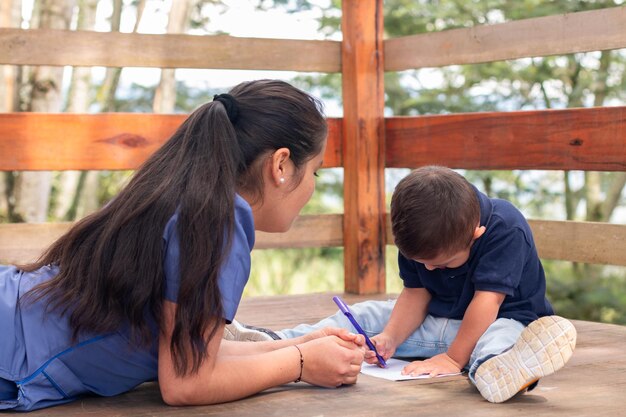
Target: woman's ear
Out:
[278,166]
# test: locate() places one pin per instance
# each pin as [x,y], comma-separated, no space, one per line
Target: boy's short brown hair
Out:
[434,211]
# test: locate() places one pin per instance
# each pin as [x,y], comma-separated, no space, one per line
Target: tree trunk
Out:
[32,189]
[106,92]
[70,183]
[165,95]
[10,16]
[617,180]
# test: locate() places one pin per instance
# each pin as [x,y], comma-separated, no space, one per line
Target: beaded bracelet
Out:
[301,364]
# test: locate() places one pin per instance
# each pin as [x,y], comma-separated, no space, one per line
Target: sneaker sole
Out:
[543,348]
[243,333]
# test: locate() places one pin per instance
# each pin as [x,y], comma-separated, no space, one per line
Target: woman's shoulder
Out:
[244,221]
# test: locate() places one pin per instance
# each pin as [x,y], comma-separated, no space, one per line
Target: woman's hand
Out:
[341,333]
[385,345]
[437,365]
[331,361]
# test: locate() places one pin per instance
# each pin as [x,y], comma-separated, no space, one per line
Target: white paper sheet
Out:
[393,371]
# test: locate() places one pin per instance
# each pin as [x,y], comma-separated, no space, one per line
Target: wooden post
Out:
[364,146]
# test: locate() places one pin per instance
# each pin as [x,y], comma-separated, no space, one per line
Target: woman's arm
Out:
[232,347]
[328,361]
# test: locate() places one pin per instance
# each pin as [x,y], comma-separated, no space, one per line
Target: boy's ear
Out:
[478,232]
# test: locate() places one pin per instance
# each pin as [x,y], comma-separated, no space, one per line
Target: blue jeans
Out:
[434,336]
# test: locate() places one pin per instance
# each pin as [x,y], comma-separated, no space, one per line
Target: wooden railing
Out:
[363,142]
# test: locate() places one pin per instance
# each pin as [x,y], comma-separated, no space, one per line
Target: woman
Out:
[142,288]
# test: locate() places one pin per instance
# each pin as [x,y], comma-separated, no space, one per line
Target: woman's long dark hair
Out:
[111,262]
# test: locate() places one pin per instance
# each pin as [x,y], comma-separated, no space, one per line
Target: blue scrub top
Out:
[35,350]
[504,260]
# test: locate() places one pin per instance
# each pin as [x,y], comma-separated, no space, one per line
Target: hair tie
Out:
[230,104]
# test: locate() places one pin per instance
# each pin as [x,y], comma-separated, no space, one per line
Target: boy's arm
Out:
[408,314]
[480,314]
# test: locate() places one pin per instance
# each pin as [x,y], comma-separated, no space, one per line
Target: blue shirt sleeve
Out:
[235,269]
[408,272]
[502,260]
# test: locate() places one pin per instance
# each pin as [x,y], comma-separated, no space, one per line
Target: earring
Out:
[281,180]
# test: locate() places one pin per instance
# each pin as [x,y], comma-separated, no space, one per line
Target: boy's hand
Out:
[437,365]
[385,346]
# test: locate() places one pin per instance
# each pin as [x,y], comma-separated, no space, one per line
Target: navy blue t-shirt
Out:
[504,260]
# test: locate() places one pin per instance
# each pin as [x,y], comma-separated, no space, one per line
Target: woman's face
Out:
[284,196]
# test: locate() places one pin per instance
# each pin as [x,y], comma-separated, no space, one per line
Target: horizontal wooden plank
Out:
[586,242]
[322,230]
[23,242]
[573,139]
[551,35]
[108,141]
[115,49]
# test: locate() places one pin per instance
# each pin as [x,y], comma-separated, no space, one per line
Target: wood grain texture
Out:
[363,146]
[114,49]
[107,141]
[585,242]
[24,242]
[599,360]
[574,139]
[320,230]
[551,35]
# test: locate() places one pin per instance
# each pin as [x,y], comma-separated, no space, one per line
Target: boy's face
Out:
[454,259]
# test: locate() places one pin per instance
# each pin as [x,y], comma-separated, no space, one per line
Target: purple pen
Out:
[345,310]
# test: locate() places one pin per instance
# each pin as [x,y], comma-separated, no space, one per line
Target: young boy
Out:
[474,290]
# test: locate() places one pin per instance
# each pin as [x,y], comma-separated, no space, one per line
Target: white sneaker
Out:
[543,348]
[244,333]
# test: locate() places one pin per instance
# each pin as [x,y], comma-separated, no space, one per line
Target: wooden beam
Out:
[115,49]
[23,242]
[107,141]
[586,242]
[596,243]
[582,139]
[363,146]
[575,139]
[594,30]
[322,230]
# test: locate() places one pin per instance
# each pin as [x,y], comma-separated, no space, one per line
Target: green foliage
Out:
[295,271]
[111,182]
[601,298]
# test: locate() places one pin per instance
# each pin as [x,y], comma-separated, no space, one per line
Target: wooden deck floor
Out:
[593,383]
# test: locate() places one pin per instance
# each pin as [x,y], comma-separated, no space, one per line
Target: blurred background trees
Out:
[589,292]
